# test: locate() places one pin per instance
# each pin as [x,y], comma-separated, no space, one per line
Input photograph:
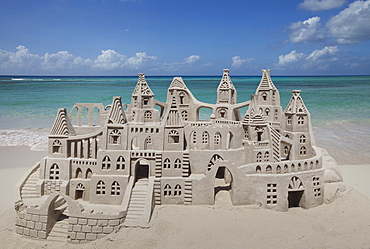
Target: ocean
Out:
[339,105]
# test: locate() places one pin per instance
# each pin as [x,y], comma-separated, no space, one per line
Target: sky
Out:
[169,37]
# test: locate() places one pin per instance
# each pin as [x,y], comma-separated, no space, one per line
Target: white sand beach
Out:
[345,223]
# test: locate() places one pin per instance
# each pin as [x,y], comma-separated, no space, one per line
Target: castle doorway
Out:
[59,232]
[142,170]
[295,192]
[223,182]
[80,190]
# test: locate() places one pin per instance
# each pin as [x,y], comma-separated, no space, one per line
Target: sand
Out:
[345,223]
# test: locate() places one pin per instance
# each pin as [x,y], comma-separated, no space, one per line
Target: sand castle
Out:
[112,166]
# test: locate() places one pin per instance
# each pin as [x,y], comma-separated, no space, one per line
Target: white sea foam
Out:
[36,139]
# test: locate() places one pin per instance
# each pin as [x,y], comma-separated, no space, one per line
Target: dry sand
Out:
[344,223]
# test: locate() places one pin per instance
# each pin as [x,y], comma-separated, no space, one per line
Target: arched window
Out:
[177,191]
[194,137]
[302,151]
[259,157]
[276,115]
[300,120]
[100,188]
[177,164]
[289,120]
[267,111]
[299,167]
[182,98]
[311,165]
[292,168]
[205,137]
[267,155]
[88,173]
[184,115]
[286,150]
[54,172]
[148,115]
[305,166]
[302,139]
[148,142]
[115,137]
[278,169]
[264,96]
[285,168]
[78,173]
[173,137]
[106,163]
[268,169]
[222,113]
[116,189]
[57,146]
[120,163]
[167,163]
[217,140]
[258,169]
[167,190]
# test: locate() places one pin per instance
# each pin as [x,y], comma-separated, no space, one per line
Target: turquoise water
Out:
[339,104]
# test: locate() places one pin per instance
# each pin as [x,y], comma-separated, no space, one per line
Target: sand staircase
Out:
[136,206]
[29,188]
[60,229]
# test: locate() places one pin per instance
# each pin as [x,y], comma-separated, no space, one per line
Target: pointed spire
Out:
[172,117]
[142,87]
[296,105]
[226,82]
[226,92]
[62,125]
[116,114]
[266,82]
[178,82]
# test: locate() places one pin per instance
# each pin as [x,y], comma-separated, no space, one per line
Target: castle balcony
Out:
[260,144]
[143,153]
[200,124]
[228,122]
[284,167]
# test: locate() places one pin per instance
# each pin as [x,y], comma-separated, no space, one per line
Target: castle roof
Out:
[116,114]
[62,125]
[142,87]
[226,82]
[266,83]
[178,82]
[296,105]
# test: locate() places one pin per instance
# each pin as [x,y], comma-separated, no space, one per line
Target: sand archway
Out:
[295,193]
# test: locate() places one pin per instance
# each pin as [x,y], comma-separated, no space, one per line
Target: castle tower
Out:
[173,126]
[296,125]
[268,99]
[226,92]
[142,103]
[61,130]
[226,96]
[184,98]
[115,135]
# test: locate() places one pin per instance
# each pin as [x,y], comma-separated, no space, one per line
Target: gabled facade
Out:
[112,173]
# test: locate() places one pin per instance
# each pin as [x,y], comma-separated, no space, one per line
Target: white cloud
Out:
[139,60]
[237,61]
[293,56]
[351,25]
[60,60]
[22,59]
[192,58]
[314,5]
[306,31]
[326,53]
[109,59]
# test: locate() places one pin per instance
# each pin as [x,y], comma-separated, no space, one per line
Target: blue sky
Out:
[164,37]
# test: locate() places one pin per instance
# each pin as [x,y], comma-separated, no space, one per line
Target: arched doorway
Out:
[80,190]
[222,187]
[142,170]
[295,192]
[60,213]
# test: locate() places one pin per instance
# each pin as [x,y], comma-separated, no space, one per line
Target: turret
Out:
[296,125]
